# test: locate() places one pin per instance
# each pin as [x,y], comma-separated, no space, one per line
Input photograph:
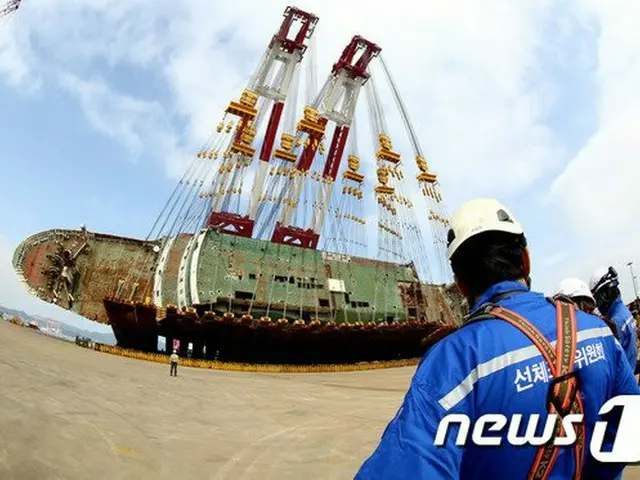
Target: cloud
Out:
[139,125]
[117,116]
[553,260]
[598,191]
[597,194]
[465,69]
[15,55]
[476,77]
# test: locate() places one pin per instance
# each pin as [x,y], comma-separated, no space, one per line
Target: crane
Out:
[281,60]
[336,101]
[8,7]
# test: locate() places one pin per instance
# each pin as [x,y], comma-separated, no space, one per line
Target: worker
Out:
[174,364]
[578,292]
[502,361]
[604,285]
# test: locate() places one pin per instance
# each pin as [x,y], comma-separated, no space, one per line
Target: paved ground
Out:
[71,413]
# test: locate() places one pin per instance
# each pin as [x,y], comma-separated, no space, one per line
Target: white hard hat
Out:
[573,287]
[601,277]
[478,216]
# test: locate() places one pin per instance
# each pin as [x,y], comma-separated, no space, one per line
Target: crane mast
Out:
[285,53]
[9,7]
[336,102]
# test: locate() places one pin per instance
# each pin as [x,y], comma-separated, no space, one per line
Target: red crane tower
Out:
[286,53]
[337,102]
[9,7]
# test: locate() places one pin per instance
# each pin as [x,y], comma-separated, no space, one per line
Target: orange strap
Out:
[564,396]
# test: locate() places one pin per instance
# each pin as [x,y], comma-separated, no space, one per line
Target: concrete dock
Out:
[72,413]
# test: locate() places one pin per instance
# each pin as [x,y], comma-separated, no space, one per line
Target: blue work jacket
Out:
[626,325]
[490,367]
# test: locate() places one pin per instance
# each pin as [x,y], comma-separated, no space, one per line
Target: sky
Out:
[534,102]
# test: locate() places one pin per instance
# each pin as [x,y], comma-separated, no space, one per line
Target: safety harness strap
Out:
[564,396]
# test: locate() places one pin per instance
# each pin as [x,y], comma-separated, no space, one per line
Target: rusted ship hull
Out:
[237,299]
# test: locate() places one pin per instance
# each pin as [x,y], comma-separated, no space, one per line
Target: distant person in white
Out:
[174,364]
